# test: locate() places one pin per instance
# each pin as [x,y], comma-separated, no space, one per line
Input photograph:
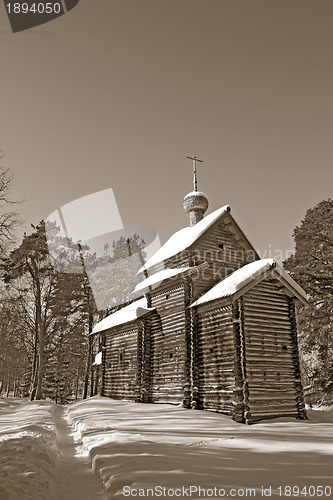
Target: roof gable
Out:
[248,276]
[186,238]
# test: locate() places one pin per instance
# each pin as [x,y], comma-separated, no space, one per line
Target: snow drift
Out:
[136,446]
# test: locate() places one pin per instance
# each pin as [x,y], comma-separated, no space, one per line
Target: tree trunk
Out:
[40,326]
[87,370]
[90,302]
[33,384]
[8,386]
[96,381]
[92,381]
[34,363]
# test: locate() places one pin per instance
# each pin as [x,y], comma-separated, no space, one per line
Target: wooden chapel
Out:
[215,326]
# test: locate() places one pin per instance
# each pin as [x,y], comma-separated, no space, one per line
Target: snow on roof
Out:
[156,278]
[244,276]
[160,276]
[128,313]
[98,359]
[183,238]
[281,274]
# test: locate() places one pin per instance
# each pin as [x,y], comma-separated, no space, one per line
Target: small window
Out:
[171,355]
[167,296]
[221,246]
[121,356]
[211,350]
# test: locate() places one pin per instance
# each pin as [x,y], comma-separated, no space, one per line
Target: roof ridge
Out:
[243,277]
[184,238]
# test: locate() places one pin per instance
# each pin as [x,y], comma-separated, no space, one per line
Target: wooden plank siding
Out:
[215,360]
[168,345]
[270,353]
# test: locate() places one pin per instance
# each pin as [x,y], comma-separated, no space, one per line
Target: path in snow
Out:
[28,450]
[144,446]
[74,476]
[38,456]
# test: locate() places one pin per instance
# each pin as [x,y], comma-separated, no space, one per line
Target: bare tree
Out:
[9,217]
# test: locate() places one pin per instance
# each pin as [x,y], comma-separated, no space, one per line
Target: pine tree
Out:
[49,304]
[311,266]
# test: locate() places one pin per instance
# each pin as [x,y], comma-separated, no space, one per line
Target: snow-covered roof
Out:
[156,278]
[98,359]
[128,313]
[161,276]
[285,277]
[247,274]
[184,238]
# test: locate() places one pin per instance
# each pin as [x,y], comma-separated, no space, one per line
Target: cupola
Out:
[195,203]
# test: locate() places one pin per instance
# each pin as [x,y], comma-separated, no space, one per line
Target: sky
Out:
[116,93]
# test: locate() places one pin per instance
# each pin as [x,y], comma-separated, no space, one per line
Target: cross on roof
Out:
[194,162]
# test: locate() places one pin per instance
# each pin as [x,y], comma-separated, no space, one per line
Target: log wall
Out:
[168,345]
[182,259]
[222,261]
[121,377]
[239,358]
[215,359]
[270,354]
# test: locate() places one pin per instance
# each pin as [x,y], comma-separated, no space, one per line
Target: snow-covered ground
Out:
[37,455]
[139,446]
[158,450]
[28,453]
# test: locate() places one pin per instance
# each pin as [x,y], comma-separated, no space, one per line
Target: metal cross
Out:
[194,160]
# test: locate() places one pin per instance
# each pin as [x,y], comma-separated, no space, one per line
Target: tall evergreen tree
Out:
[311,266]
[49,304]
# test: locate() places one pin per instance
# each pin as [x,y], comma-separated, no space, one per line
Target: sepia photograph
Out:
[166,249]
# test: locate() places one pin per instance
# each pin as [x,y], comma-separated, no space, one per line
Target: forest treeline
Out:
[48,311]
[311,266]
[48,307]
